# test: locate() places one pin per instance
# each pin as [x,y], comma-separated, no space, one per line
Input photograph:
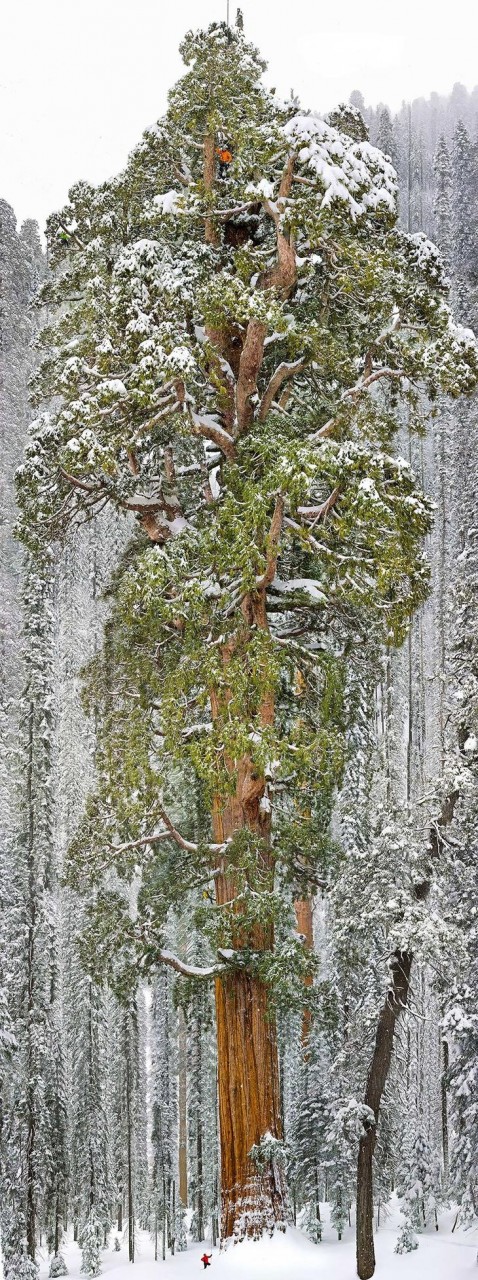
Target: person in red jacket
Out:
[205,1259]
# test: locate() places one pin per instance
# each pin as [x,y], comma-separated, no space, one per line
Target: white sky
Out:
[80,79]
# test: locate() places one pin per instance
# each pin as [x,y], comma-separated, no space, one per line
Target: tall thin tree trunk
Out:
[30,1097]
[129,1126]
[199,1140]
[445,1052]
[182,1109]
[173,1218]
[395,1002]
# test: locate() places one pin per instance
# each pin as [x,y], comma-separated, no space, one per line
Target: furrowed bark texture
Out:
[248,1066]
[305,926]
[249,1106]
[395,1002]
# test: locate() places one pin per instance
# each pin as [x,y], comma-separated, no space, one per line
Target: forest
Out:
[239,696]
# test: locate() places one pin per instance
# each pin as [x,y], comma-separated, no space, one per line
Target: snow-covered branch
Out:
[189,970]
[353,393]
[171,833]
[189,845]
[319,513]
[206,426]
[283,373]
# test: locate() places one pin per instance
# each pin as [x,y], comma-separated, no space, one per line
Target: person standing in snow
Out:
[205,1259]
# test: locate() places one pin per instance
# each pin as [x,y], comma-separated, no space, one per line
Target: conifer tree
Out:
[227,362]
[464,223]
[443,201]
[164,1110]
[386,140]
[460,1021]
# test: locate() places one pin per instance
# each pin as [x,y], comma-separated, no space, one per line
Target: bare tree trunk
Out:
[252,1199]
[248,1065]
[248,1105]
[31,963]
[129,1125]
[199,1140]
[395,1002]
[182,1109]
[445,1051]
[305,926]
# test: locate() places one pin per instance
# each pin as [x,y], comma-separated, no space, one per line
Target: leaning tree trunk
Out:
[395,1002]
[382,1055]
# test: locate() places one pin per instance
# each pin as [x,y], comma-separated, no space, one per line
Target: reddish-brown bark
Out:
[248,1067]
[304,921]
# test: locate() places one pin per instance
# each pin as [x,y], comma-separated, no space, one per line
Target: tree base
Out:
[256,1208]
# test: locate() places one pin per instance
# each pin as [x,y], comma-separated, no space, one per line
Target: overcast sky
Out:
[80,79]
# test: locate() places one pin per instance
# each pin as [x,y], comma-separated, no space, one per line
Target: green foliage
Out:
[283,532]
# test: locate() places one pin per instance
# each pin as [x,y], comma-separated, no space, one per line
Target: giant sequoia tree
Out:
[231,346]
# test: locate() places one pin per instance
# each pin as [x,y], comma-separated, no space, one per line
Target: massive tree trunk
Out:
[253,1197]
[249,1106]
[395,1002]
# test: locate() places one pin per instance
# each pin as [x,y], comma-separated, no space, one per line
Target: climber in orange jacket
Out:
[224,155]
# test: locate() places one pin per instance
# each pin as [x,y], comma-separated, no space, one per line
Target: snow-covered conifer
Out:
[209,379]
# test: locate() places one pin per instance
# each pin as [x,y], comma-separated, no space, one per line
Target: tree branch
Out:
[252,355]
[79,484]
[189,970]
[319,513]
[171,833]
[188,845]
[282,374]
[283,275]
[138,844]
[272,544]
[210,430]
[354,393]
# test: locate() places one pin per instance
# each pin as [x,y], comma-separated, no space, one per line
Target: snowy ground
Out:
[441,1255]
